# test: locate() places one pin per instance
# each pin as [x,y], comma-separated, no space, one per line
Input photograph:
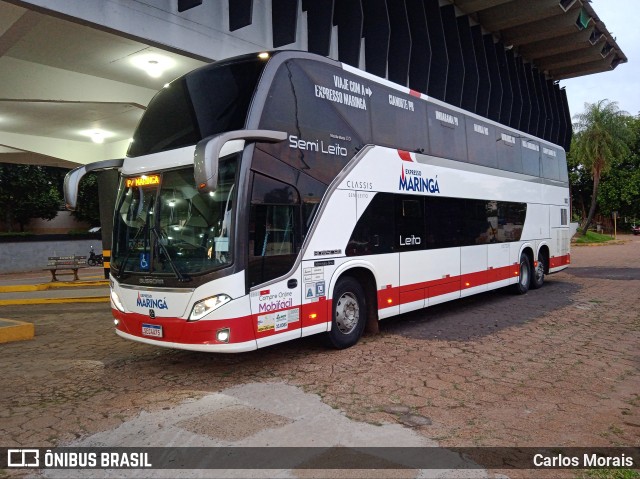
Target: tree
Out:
[26,191]
[88,208]
[602,138]
[621,189]
[580,182]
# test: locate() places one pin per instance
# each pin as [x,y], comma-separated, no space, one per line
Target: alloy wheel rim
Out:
[539,272]
[347,313]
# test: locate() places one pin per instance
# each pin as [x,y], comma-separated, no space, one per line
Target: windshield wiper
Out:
[129,251]
[183,278]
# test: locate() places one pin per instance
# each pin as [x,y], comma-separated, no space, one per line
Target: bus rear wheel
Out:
[524,280]
[349,313]
[537,279]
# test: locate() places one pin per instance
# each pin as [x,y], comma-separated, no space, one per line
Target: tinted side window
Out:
[531,157]
[509,151]
[274,229]
[511,217]
[481,143]
[311,190]
[465,222]
[444,222]
[447,135]
[550,163]
[562,166]
[434,222]
[374,232]
[410,222]
[477,228]
[399,120]
[563,217]
[326,124]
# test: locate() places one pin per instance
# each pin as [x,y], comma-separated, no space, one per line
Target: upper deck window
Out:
[325,112]
[398,120]
[481,141]
[207,101]
[509,151]
[447,136]
[530,157]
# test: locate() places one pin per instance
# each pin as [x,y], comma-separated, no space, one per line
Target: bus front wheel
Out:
[524,280]
[349,313]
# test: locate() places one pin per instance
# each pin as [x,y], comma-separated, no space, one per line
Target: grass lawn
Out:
[592,237]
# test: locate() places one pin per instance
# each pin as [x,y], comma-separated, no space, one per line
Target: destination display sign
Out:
[144,180]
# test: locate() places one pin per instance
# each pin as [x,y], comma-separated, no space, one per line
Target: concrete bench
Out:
[65,265]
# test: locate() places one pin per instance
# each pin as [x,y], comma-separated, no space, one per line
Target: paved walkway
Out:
[30,297]
[93,273]
[36,287]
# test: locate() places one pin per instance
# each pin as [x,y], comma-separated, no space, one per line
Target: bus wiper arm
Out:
[183,278]
[129,251]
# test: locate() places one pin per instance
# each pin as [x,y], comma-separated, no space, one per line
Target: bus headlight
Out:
[205,306]
[116,301]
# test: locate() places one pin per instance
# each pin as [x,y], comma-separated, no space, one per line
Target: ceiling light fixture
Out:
[152,63]
[97,135]
[154,70]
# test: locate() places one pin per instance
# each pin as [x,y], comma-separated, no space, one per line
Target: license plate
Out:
[154,330]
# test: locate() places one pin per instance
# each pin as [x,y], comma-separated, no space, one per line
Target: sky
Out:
[622,84]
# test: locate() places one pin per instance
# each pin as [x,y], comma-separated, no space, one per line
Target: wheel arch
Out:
[543,248]
[527,249]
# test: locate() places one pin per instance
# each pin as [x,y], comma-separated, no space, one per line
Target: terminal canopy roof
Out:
[564,38]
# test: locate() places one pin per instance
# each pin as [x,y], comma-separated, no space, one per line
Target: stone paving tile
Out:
[555,367]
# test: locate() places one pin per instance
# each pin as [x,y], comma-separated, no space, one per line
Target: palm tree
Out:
[602,137]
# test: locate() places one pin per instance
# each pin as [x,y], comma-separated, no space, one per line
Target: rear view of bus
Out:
[274,196]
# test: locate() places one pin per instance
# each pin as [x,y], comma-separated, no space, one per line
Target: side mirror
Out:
[72,179]
[209,150]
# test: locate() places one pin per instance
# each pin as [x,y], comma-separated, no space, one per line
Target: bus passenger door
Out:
[274,243]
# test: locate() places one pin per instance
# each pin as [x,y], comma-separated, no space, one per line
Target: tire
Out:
[349,313]
[524,280]
[91,262]
[537,276]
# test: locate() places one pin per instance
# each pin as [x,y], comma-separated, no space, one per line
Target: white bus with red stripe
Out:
[275,196]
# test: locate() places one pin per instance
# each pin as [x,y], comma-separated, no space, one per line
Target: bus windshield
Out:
[163,225]
[205,102]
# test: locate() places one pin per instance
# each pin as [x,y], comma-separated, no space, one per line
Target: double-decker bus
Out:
[274,196]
